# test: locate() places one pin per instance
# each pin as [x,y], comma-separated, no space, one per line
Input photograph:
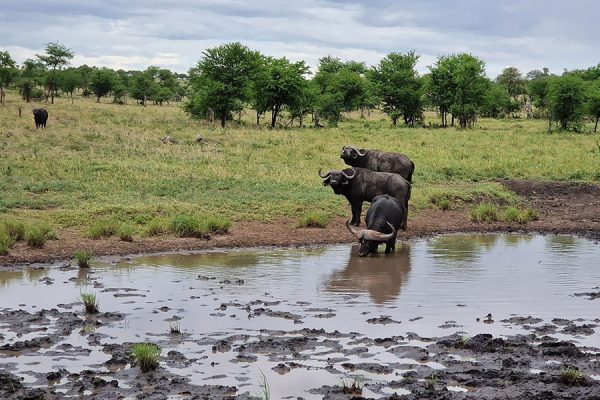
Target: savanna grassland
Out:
[107,163]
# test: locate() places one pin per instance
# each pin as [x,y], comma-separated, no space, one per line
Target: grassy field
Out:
[106,162]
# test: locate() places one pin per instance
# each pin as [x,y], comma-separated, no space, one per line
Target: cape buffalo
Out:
[379,161]
[360,184]
[40,116]
[385,216]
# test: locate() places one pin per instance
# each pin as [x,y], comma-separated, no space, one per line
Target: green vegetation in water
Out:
[83,258]
[175,328]
[264,391]
[146,355]
[571,376]
[90,302]
[431,381]
[314,219]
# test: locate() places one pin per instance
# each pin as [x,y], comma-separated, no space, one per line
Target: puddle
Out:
[303,317]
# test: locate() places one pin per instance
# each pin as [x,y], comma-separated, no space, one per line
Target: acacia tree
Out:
[221,81]
[32,75]
[102,82]
[8,72]
[56,57]
[593,102]
[279,84]
[514,82]
[69,80]
[566,96]
[441,86]
[143,84]
[399,87]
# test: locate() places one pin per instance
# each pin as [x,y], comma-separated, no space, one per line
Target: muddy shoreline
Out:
[564,208]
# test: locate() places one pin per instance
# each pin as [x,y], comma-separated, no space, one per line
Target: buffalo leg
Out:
[356,210]
[390,245]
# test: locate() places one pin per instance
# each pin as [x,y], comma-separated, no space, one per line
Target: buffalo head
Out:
[369,239]
[351,153]
[336,178]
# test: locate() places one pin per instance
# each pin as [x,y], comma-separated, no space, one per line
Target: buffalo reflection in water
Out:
[382,276]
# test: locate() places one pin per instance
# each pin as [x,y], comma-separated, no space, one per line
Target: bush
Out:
[156,227]
[83,258]
[15,229]
[216,225]
[102,229]
[187,226]
[484,212]
[35,237]
[314,219]
[146,355]
[125,233]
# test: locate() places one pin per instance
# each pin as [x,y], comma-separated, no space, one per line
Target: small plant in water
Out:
[431,381]
[264,392]
[464,339]
[83,258]
[175,328]
[571,376]
[146,355]
[354,386]
[90,302]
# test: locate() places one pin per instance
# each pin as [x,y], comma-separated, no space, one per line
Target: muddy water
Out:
[239,310]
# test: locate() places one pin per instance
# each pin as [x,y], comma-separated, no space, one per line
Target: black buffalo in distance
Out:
[40,116]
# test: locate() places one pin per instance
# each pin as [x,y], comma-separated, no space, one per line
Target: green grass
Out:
[521,216]
[571,376]
[485,212]
[106,162]
[217,225]
[90,302]
[35,237]
[353,386]
[314,219]
[15,229]
[6,241]
[125,232]
[146,355]
[264,391]
[83,258]
[187,226]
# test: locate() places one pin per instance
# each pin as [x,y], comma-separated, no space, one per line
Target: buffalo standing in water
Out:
[379,161]
[359,184]
[40,116]
[385,216]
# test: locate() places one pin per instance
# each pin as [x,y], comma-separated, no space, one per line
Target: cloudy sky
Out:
[133,34]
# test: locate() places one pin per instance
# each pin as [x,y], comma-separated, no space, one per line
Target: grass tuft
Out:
[15,229]
[125,232]
[90,302]
[146,355]
[187,226]
[314,219]
[156,227]
[571,376]
[102,229]
[485,212]
[264,391]
[217,225]
[83,258]
[6,241]
[353,387]
[35,237]
[175,328]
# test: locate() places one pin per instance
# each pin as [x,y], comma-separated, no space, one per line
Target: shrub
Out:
[314,219]
[146,355]
[15,229]
[155,227]
[83,258]
[125,233]
[90,302]
[216,225]
[35,237]
[513,214]
[187,226]
[102,229]
[571,376]
[6,241]
[484,212]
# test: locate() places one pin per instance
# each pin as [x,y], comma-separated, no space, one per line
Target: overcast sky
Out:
[134,34]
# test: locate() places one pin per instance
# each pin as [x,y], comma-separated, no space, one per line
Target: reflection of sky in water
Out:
[504,275]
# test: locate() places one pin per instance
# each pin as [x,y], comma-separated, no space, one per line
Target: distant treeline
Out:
[231,77]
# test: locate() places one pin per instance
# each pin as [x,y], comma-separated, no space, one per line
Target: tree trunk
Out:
[302,121]
[20,112]
[144,101]
[596,126]
[549,122]
[394,119]
[97,99]
[362,112]
[223,118]
[1,95]
[71,97]
[274,113]
[257,118]
[452,120]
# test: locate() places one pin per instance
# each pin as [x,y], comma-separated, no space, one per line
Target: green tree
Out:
[497,102]
[102,81]
[593,102]
[278,84]
[8,72]
[33,74]
[56,57]
[85,72]
[143,84]
[221,81]
[566,97]
[399,87]
[514,82]
[442,87]
[68,80]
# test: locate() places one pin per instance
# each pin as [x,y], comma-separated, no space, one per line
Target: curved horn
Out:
[353,230]
[356,149]
[324,176]
[349,176]
[379,236]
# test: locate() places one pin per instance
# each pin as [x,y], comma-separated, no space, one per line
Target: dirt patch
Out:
[567,208]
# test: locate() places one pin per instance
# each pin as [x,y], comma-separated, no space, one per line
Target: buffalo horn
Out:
[349,176]
[379,236]
[353,230]
[324,176]
[357,150]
